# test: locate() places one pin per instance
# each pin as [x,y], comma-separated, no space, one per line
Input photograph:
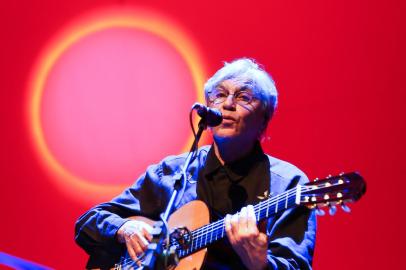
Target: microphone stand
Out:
[155,255]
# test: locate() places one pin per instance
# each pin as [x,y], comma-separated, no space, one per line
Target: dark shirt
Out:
[225,190]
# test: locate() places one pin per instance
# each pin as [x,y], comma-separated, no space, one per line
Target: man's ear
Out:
[263,126]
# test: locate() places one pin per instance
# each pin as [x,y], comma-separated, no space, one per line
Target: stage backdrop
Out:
[94,91]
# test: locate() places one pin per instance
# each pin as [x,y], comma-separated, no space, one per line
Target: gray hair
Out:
[247,72]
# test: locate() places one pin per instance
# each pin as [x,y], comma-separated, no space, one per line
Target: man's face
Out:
[243,122]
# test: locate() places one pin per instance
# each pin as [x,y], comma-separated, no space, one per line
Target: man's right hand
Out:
[136,235]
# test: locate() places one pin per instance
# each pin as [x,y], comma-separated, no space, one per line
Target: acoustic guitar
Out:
[189,237]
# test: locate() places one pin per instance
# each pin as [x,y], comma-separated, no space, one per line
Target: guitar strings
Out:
[216,229]
[220,223]
[259,209]
[215,234]
[263,203]
[215,226]
[129,262]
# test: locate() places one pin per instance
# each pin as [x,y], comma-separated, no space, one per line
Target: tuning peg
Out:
[332,210]
[320,212]
[345,208]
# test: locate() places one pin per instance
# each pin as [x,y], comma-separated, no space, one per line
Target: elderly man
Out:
[230,176]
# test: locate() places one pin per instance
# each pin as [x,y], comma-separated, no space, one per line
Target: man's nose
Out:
[229,102]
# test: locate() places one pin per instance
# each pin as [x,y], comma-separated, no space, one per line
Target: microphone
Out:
[212,116]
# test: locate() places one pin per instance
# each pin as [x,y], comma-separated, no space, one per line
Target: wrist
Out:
[120,234]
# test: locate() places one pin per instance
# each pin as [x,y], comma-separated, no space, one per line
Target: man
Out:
[230,176]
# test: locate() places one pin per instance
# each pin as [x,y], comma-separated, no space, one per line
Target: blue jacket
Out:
[291,234]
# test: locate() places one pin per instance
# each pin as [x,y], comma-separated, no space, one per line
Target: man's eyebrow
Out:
[238,89]
[243,88]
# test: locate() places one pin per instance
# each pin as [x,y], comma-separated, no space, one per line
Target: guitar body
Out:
[192,215]
[332,191]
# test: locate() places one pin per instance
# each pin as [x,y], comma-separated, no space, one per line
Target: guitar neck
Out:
[210,233]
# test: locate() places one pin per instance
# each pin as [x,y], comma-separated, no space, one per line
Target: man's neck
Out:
[230,151]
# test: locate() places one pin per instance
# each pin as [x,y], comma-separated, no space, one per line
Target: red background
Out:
[338,67]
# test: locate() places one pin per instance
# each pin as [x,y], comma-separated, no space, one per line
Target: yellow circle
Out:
[96,21]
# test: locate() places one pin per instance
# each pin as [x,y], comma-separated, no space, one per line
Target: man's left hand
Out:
[249,243]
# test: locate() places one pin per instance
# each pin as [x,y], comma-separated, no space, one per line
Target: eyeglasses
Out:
[218,96]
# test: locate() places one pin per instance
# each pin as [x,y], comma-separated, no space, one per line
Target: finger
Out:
[136,246]
[148,228]
[141,241]
[243,222]
[136,251]
[131,251]
[227,225]
[251,221]
[262,239]
[234,225]
[147,234]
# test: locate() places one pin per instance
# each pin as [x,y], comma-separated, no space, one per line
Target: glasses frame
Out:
[235,97]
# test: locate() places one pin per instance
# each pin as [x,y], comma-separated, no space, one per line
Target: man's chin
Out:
[224,136]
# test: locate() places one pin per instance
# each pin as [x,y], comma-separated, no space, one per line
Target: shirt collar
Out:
[236,169]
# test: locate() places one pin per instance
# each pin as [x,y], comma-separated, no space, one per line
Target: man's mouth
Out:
[228,120]
[228,117]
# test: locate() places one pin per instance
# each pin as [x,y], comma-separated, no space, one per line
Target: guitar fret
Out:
[202,238]
[211,234]
[192,245]
[195,241]
[267,208]
[262,213]
[205,238]
[258,213]
[222,230]
[277,202]
[218,226]
[199,243]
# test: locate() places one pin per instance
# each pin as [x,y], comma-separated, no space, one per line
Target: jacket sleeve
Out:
[292,238]
[95,231]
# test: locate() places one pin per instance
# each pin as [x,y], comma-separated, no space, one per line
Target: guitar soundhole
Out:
[182,237]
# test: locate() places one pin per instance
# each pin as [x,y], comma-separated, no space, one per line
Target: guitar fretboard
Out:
[210,233]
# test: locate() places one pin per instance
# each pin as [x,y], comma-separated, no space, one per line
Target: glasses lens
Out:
[218,97]
[242,97]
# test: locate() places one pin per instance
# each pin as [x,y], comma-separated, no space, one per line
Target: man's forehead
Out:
[234,84]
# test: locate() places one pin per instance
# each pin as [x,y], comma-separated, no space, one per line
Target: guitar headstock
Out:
[333,191]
